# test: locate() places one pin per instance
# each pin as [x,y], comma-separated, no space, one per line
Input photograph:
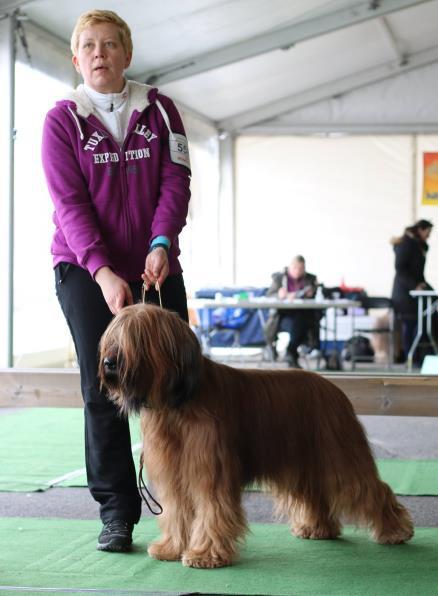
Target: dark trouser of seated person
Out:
[303,328]
[291,283]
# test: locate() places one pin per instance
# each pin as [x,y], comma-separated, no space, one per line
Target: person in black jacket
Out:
[290,283]
[410,259]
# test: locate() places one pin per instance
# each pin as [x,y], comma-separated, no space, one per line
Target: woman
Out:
[117,167]
[410,259]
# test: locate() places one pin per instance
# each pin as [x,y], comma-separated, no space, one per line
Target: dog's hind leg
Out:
[379,509]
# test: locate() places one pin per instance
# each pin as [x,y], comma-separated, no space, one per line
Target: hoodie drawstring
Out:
[78,124]
[160,107]
[165,117]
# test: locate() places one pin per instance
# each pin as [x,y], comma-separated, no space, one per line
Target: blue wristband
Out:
[162,241]
[158,245]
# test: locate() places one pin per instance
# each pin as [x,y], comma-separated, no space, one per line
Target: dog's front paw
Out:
[164,551]
[205,560]
[316,532]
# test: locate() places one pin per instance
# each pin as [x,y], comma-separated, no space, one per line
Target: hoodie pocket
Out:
[61,272]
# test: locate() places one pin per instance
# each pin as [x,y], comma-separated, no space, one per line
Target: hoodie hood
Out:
[140,96]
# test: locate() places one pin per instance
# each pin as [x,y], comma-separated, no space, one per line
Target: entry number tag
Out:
[179,150]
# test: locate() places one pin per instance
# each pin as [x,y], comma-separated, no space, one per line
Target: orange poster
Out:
[430,179]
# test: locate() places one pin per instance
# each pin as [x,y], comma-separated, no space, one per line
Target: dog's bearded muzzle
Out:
[121,385]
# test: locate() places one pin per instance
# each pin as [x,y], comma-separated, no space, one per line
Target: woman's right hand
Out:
[421,286]
[115,290]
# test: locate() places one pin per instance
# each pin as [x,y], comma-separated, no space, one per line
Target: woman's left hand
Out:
[156,268]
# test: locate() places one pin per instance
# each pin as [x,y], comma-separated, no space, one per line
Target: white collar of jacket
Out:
[137,100]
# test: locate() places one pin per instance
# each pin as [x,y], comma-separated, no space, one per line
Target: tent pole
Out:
[227,208]
[7,133]
[414,176]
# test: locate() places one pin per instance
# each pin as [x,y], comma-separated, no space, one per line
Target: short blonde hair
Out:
[94,17]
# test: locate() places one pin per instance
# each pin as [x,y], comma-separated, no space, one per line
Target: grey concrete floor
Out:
[76,503]
[389,436]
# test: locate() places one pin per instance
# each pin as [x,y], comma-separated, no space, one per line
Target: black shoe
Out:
[116,536]
[292,361]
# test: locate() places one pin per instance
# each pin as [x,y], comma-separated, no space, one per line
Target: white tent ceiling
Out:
[271,65]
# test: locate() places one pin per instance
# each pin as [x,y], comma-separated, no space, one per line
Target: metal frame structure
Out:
[241,122]
[281,39]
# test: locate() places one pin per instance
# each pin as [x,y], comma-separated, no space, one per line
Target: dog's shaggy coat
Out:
[209,430]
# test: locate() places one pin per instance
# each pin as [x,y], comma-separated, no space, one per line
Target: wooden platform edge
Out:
[401,395]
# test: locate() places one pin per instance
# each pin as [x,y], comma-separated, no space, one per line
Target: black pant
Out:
[110,467]
[298,323]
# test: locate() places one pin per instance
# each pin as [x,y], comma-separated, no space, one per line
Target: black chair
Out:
[375,302]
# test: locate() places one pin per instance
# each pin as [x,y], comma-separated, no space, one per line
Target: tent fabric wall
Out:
[39,326]
[200,240]
[337,201]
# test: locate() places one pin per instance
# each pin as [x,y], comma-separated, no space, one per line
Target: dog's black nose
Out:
[110,365]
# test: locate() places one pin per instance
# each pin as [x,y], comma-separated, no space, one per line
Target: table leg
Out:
[391,347]
[419,333]
[335,339]
[325,333]
[261,317]
[268,354]
[429,312]
[353,327]
[204,317]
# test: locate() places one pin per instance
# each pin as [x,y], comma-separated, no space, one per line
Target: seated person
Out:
[291,283]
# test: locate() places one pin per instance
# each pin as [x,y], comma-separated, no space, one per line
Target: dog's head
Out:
[149,357]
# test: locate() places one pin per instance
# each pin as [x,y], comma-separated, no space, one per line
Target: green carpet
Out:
[61,554]
[43,447]
[39,446]
[411,476]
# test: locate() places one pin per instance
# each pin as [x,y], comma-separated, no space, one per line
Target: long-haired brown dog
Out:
[209,430]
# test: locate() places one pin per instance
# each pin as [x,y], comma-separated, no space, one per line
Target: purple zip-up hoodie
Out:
[111,201]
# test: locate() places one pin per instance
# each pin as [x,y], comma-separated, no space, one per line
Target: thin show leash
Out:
[141,483]
[144,290]
[142,487]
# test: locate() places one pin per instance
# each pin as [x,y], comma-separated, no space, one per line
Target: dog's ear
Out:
[172,357]
[184,377]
